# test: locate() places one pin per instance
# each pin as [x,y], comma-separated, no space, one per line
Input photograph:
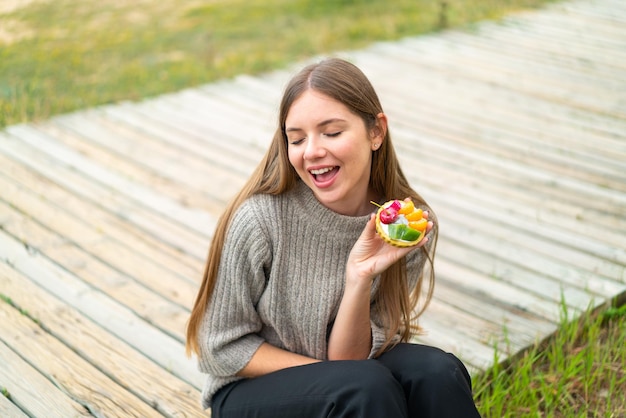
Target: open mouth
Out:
[324,175]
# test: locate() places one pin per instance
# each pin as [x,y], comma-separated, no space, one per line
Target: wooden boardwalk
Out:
[515,132]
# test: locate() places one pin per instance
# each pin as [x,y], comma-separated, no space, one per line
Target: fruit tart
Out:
[400,223]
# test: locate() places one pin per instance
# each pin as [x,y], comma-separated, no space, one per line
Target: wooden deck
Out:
[514,131]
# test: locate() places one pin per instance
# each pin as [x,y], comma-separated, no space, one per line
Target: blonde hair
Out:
[274,175]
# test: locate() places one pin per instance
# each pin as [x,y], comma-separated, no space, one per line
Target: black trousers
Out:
[408,381]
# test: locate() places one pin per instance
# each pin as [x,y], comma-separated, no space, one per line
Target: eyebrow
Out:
[319,125]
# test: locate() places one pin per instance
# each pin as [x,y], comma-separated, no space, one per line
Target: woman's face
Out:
[331,150]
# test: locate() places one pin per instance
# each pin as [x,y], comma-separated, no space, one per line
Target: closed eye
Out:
[296,141]
[333,134]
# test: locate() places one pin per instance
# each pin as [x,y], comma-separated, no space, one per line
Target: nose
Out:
[314,149]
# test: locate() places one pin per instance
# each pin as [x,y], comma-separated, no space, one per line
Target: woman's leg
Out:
[332,389]
[435,383]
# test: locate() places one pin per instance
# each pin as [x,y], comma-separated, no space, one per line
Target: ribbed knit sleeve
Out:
[378,338]
[229,334]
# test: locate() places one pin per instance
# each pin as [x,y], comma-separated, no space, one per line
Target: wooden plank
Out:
[554,79]
[101,309]
[8,409]
[422,76]
[523,233]
[475,337]
[568,31]
[492,268]
[523,202]
[159,126]
[499,308]
[510,115]
[168,170]
[606,13]
[127,367]
[573,30]
[462,324]
[409,113]
[162,228]
[511,320]
[233,134]
[598,286]
[178,289]
[487,54]
[609,175]
[31,392]
[97,218]
[531,297]
[521,35]
[71,373]
[473,353]
[554,60]
[219,139]
[265,88]
[162,313]
[518,137]
[254,121]
[576,226]
[139,193]
[513,191]
[582,14]
[507,109]
[512,123]
[558,91]
[492,168]
[260,98]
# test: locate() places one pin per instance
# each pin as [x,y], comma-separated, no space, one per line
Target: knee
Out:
[374,378]
[432,379]
[367,376]
[420,364]
[367,389]
[441,368]
[365,379]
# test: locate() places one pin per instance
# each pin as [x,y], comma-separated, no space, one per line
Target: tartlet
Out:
[400,223]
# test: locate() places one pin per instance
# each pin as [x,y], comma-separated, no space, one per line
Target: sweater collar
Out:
[326,217]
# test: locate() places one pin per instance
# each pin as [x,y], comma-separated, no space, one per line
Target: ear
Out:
[379,131]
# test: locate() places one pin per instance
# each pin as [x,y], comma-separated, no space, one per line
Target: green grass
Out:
[579,372]
[62,55]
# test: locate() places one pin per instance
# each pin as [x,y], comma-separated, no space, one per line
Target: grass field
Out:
[59,56]
[62,55]
[578,373]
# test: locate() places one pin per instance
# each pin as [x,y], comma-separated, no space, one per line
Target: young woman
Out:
[304,311]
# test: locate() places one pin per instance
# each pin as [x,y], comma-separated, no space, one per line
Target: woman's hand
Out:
[370,255]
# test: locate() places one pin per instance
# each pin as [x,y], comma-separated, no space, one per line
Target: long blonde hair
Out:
[274,175]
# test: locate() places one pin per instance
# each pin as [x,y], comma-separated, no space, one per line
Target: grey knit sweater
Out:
[281,280]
